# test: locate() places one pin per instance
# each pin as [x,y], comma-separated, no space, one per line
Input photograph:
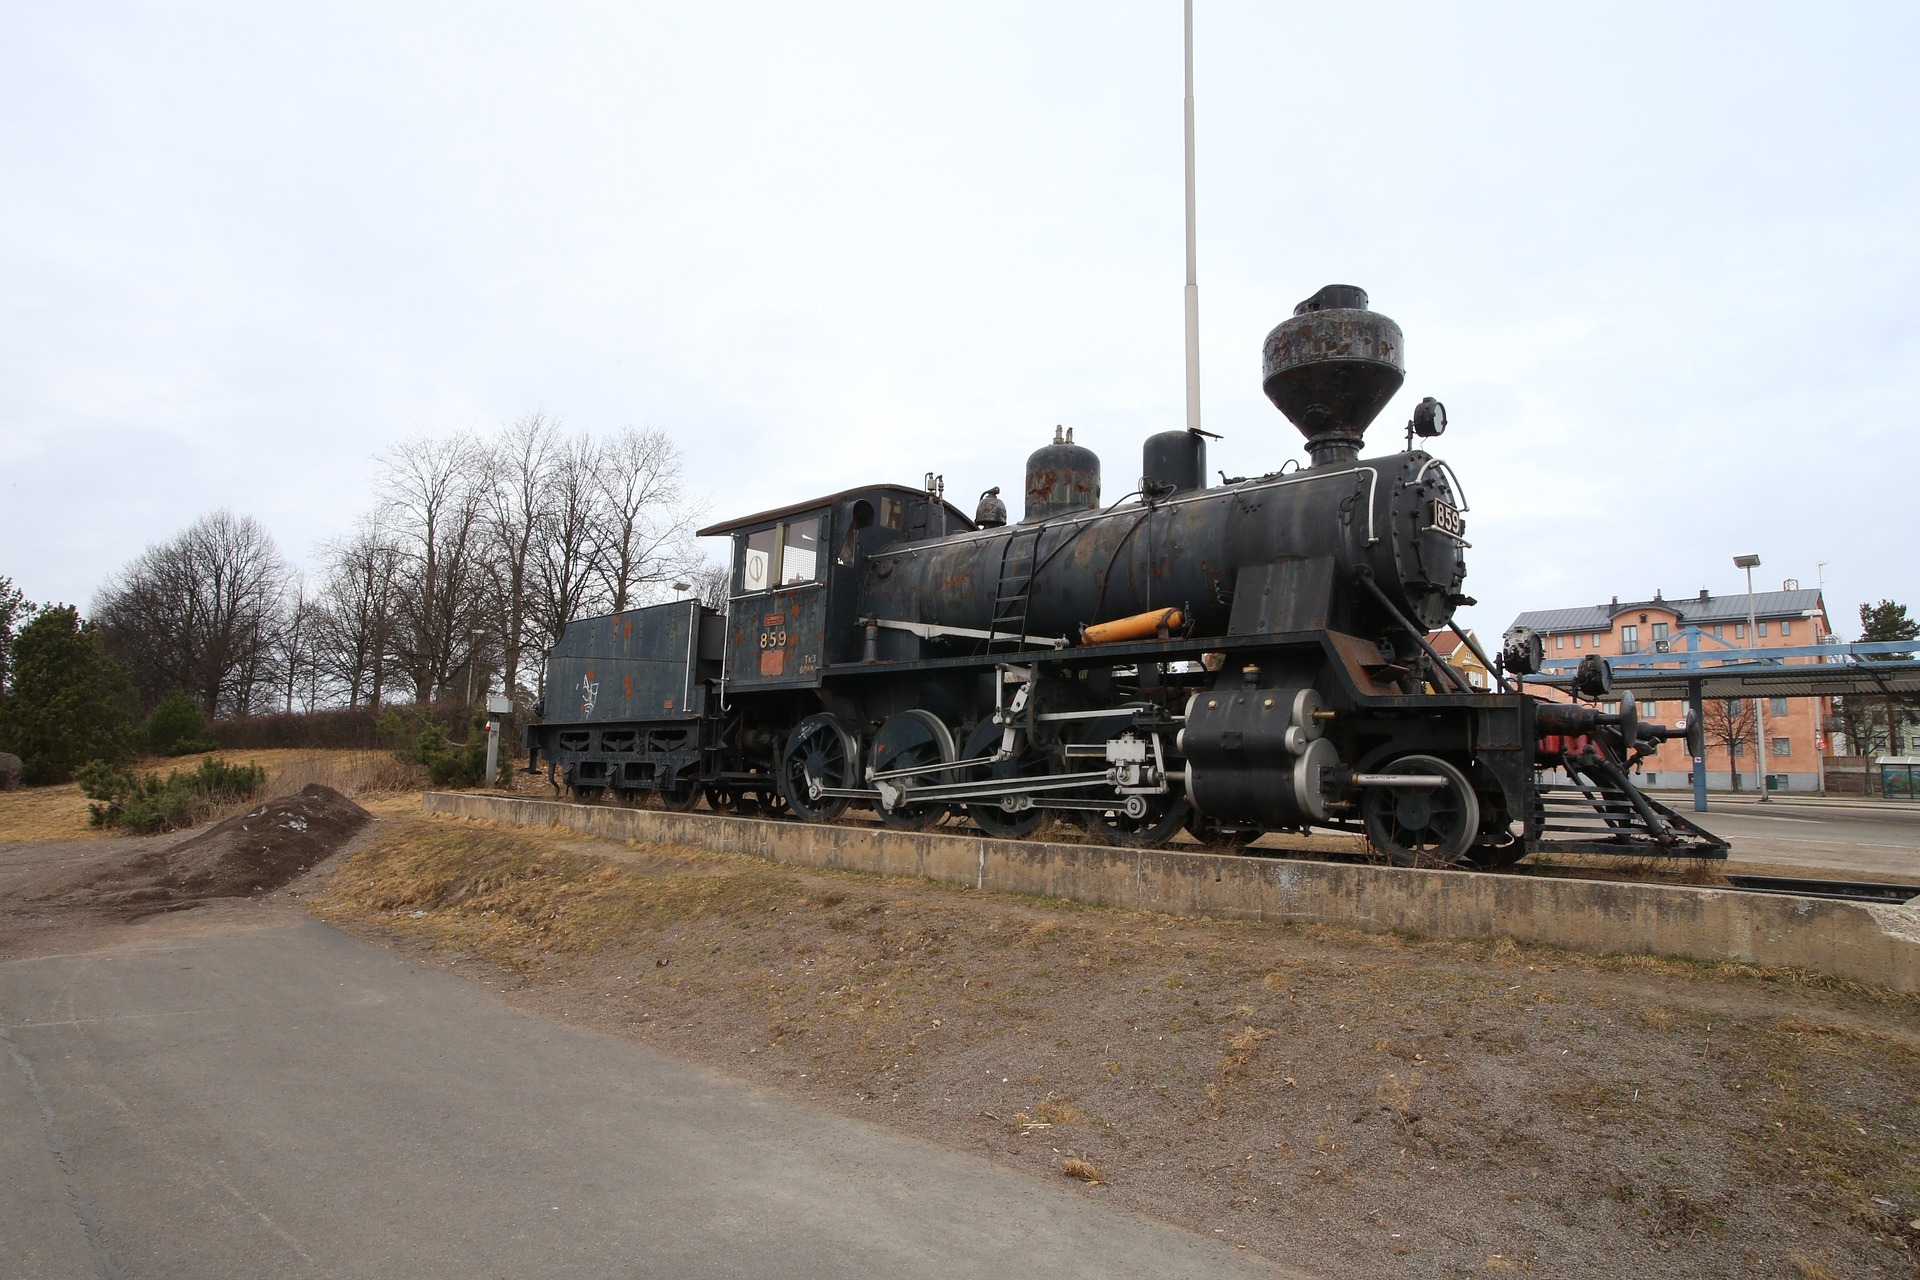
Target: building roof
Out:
[1691,611]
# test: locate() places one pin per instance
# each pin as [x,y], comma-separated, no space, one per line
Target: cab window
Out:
[800,551]
[785,555]
[757,561]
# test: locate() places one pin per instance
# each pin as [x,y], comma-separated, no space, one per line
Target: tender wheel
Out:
[990,816]
[681,798]
[1152,821]
[911,740]
[1422,826]
[720,797]
[819,750]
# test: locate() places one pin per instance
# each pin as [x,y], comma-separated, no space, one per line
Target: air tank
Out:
[1062,478]
[1173,462]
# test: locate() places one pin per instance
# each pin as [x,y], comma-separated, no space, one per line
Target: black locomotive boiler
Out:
[1225,660]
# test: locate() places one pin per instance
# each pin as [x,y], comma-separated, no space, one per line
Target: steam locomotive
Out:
[1221,660]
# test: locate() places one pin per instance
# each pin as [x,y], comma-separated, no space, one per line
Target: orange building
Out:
[1796,730]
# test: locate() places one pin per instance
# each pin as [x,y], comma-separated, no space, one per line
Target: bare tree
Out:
[646,520]
[710,584]
[1727,723]
[293,646]
[522,474]
[199,612]
[563,581]
[354,622]
[433,497]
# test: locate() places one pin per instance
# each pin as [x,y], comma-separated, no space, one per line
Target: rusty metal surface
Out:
[636,665]
[1331,368]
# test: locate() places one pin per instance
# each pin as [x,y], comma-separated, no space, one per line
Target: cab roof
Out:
[960,523]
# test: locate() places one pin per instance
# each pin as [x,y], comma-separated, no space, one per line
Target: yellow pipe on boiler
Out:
[1141,626]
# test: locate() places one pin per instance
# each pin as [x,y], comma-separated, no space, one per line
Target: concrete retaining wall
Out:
[1868,943]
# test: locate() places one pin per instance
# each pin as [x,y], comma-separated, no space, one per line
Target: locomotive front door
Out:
[776,622]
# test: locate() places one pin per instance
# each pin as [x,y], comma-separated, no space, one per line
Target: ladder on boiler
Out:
[1013,591]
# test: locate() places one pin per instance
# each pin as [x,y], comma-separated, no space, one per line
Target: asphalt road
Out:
[252,1093]
[1834,836]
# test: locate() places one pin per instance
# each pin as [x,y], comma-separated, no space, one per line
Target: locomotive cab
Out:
[796,576]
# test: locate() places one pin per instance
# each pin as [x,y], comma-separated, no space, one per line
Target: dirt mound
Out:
[257,851]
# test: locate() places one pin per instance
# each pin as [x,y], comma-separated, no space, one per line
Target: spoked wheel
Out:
[991,816]
[720,797]
[1143,821]
[819,753]
[766,804]
[1431,826]
[911,740]
[680,798]
[1220,837]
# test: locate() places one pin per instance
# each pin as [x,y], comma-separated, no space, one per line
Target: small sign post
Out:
[498,708]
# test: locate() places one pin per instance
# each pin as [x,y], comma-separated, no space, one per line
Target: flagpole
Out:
[1193,282]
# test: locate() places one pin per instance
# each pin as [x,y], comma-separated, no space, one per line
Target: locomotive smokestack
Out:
[1331,369]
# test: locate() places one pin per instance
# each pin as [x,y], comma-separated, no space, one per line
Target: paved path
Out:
[1837,836]
[258,1095]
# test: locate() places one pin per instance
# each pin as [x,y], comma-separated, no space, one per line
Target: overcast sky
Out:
[1659,261]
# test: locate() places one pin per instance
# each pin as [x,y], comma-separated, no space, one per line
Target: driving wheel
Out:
[1144,821]
[820,753]
[1003,817]
[1424,826]
[911,740]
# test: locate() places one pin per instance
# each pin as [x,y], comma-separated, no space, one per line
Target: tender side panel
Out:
[637,665]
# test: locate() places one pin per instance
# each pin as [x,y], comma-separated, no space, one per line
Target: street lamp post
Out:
[1750,563]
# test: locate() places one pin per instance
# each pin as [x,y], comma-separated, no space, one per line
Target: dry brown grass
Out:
[1811,1268]
[1085,1170]
[60,813]
[513,895]
[46,813]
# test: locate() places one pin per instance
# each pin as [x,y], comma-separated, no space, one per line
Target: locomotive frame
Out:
[1224,661]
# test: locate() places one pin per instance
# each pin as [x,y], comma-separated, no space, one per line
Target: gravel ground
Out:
[1355,1103]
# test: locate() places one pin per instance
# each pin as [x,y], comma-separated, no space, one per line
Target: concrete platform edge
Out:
[1879,945]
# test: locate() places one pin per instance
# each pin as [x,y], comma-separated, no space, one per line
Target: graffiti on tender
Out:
[589,692]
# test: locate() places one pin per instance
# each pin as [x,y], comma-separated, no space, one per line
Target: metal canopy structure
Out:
[1822,670]
[1695,666]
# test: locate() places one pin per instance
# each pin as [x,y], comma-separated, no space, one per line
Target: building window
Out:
[1763,631]
[1783,746]
[1649,709]
[1576,641]
[1739,631]
[1653,780]
[1717,634]
[1776,706]
[1733,706]
[1559,643]
[1739,750]
[1786,627]
[1629,638]
[1596,639]
[1659,632]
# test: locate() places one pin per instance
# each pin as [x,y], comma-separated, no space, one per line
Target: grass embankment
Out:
[1350,1102]
[374,778]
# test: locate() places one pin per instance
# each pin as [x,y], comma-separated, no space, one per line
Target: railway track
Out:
[1838,890]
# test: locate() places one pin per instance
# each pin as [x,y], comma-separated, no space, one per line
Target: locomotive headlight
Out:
[1429,418]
